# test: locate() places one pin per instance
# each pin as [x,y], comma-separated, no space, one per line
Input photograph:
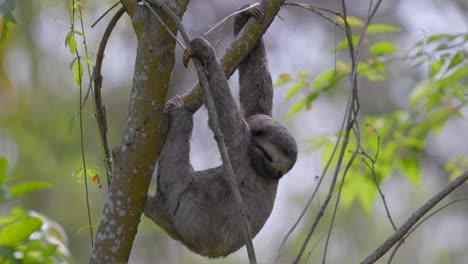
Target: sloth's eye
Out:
[265,154]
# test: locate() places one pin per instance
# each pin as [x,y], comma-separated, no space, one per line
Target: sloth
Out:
[198,208]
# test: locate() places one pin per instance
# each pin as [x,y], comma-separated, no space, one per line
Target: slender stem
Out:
[309,202]
[83,159]
[402,241]
[411,221]
[100,108]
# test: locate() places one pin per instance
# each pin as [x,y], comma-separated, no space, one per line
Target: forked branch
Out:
[410,222]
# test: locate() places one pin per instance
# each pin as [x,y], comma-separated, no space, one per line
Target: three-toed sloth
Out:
[198,208]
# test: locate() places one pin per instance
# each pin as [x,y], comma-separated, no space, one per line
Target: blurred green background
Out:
[39,99]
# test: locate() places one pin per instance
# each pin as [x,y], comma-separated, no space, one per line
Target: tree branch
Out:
[242,45]
[399,234]
[135,158]
[100,108]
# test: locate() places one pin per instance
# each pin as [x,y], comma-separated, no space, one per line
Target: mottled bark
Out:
[134,159]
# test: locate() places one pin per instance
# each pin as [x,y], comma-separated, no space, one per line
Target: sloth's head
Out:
[273,151]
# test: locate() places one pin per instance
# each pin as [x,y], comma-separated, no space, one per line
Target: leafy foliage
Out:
[27,236]
[393,142]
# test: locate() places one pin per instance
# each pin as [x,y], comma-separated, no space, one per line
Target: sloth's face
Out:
[267,157]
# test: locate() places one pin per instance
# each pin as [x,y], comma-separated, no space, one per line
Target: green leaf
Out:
[441,47]
[365,70]
[352,21]
[78,32]
[6,28]
[344,43]
[295,108]
[421,91]
[432,101]
[23,188]
[415,143]
[19,231]
[283,78]
[381,28]
[71,43]
[378,65]
[3,170]
[410,167]
[294,89]
[435,68]
[72,121]
[367,193]
[439,37]
[420,130]
[310,98]
[89,62]
[350,191]
[79,173]
[7,219]
[78,71]
[456,60]
[324,79]
[453,79]
[383,48]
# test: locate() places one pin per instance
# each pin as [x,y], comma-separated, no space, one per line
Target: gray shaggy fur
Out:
[197,208]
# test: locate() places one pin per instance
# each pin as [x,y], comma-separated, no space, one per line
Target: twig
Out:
[410,222]
[173,16]
[313,247]
[351,117]
[105,13]
[309,202]
[332,185]
[402,241]
[80,105]
[100,108]
[213,117]
[371,167]
[229,16]
[317,10]
[225,158]
[337,203]
[239,48]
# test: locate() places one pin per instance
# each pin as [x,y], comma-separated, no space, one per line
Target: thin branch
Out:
[224,20]
[351,117]
[100,108]
[337,203]
[80,105]
[238,49]
[105,13]
[309,202]
[402,241]
[317,10]
[313,247]
[371,167]
[227,166]
[321,212]
[174,17]
[410,222]
[213,117]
